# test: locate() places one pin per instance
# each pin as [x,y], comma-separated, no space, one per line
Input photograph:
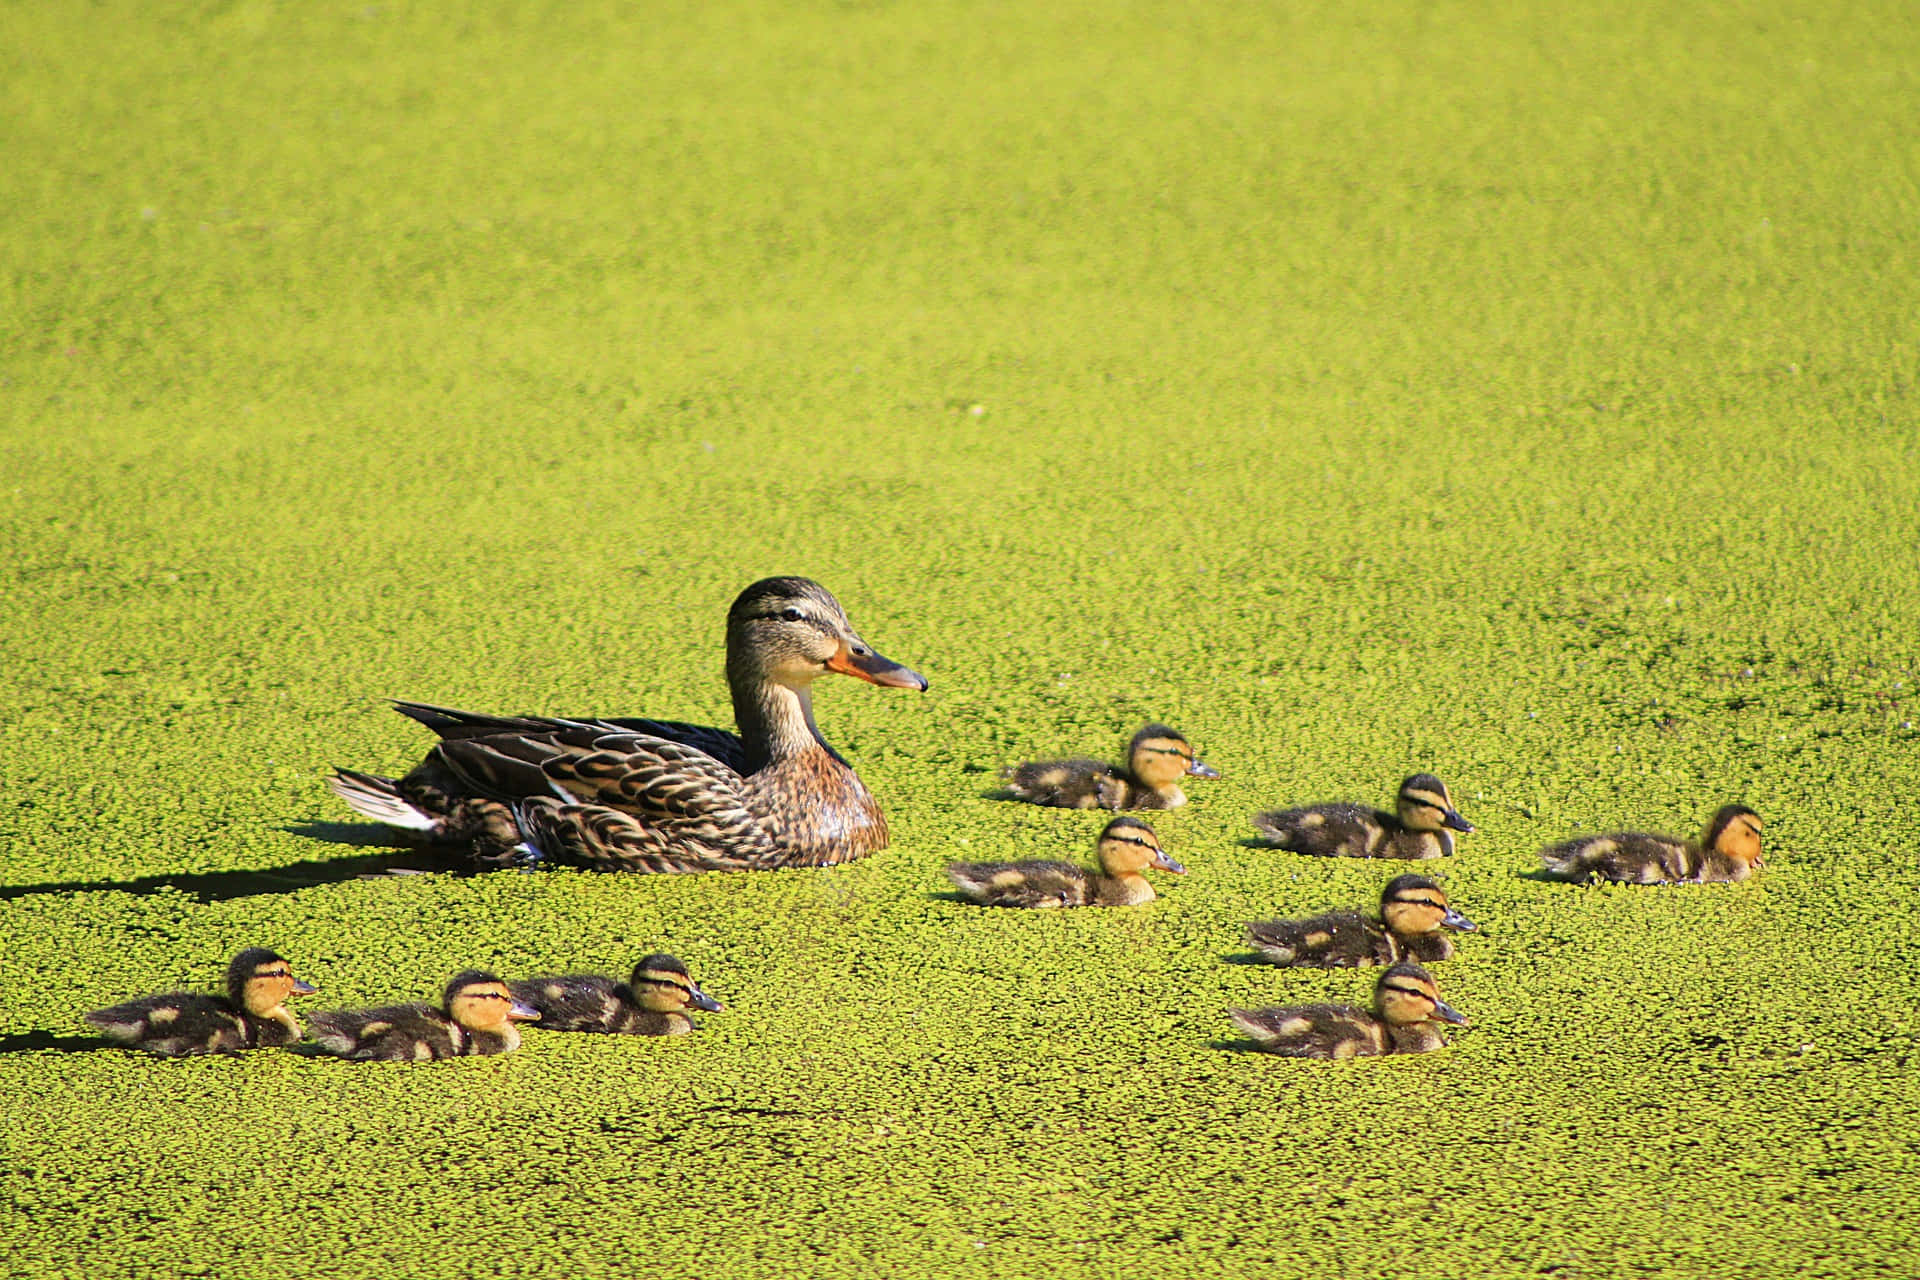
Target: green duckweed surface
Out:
[1523,392]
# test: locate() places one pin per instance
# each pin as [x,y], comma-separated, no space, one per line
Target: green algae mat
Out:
[1519,392]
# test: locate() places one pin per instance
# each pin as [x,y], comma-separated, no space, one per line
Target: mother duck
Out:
[659,795]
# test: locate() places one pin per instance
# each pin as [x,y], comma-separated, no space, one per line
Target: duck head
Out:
[1128,847]
[1424,805]
[260,981]
[662,985]
[1159,757]
[1415,904]
[791,631]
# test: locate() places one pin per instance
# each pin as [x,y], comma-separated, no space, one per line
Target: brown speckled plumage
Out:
[1157,759]
[653,1002]
[476,1017]
[252,1014]
[1406,1005]
[658,795]
[1413,912]
[1348,830]
[1127,847]
[1729,850]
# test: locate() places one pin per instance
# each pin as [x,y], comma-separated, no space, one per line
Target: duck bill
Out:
[519,1011]
[1456,822]
[1201,769]
[1445,1012]
[1454,920]
[303,988]
[874,669]
[701,1000]
[1162,861]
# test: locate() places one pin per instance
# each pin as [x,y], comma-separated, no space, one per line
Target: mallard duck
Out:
[653,1002]
[659,795]
[1406,1004]
[475,1017]
[1729,850]
[1157,759]
[1127,846]
[1349,830]
[252,1015]
[1413,912]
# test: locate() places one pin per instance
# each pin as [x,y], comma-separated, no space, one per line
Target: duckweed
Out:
[1520,393]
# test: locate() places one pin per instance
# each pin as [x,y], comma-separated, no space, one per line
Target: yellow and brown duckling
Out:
[660,795]
[476,1017]
[653,1002]
[1728,850]
[1414,914]
[252,1015]
[1419,829]
[1406,1005]
[1157,759]
[1127,847]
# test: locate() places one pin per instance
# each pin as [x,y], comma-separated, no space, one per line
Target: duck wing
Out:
[626,802]
[449,723]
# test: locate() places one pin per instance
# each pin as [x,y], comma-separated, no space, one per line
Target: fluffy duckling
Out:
[1157,759]
[1406,1004]
[1413,913]
[1127,847]
[1346,830]
[252,1015]
[653,1002]
[1728,850]
[476,1016]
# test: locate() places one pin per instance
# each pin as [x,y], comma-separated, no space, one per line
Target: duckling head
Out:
[791,631]
[662,985]
[1406,996]
[1159,757]
[1128,846]
[1425,805]
[479,1001]
[260,981]
[1415,904]
[1735,833]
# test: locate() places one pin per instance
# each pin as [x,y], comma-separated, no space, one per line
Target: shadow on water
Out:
[218,886]
[42,1041]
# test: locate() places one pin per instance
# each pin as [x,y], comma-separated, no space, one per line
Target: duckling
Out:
[1157,759]
[1347,830]
[1413,911]
[1406,1004]
[252,1015]
[653,1002]
[1126,847]
[476,1016]
[1729,850]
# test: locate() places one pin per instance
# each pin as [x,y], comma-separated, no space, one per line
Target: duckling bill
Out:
[1157,758]
[653,1002]
[252,1015]
[1414,913]
[1406,1005]
[1126,849]
[476,1017]
[1418,829]
[1729,850]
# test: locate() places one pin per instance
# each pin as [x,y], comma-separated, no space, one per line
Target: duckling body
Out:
[476,1018]
[1406,1005]
[252,1015]
[1729,850]
[1413,914]
[660,795]
[1419,829]
[1157,759]
[1126,848]
[653,1002]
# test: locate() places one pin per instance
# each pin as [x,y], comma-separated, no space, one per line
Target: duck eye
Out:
[791,614]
